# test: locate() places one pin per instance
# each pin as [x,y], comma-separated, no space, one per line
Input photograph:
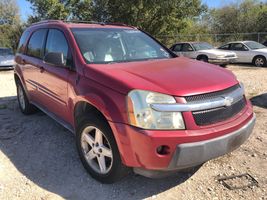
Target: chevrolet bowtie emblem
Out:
[228,101]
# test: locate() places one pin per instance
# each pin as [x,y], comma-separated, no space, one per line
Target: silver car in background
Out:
[248,52]
[204,52]
[6,58]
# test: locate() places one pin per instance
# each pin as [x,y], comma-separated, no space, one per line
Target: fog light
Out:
[163,150]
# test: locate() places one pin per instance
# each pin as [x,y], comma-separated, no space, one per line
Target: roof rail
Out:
[47,21]
[83,22]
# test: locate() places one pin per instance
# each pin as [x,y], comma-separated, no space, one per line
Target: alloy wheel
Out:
[96,150]
[259,62]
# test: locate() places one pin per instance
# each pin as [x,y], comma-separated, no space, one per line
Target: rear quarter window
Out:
[35,46]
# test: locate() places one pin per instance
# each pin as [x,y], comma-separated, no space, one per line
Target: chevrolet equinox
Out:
[131,103]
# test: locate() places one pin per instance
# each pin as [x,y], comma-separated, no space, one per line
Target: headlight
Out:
[142,115]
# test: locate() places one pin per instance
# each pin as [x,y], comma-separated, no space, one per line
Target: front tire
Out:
[203,58]
[25,106]
[98,150]
[259,61]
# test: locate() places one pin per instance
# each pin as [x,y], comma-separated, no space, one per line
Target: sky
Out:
[25,6]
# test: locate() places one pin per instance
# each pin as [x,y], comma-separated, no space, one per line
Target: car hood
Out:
[6,57]
[177,76]
[264,50]
[217,52]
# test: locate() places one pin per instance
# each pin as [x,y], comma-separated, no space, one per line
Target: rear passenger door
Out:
[31,62]
[53,78]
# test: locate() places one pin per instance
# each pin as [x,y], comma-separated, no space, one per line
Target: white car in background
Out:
[248,52]
[6,58]
[204,52]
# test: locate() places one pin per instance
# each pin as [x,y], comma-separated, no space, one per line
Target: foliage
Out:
[10,27]
[154,16]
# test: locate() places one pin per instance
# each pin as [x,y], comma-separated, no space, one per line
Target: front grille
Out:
[206,117]
[208,96]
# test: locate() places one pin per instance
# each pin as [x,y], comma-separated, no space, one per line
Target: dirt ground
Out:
[38,158]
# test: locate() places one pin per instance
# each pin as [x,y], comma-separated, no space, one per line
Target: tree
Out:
[10,28]
[154,16]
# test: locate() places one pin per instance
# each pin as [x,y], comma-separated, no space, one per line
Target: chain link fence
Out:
[214,39]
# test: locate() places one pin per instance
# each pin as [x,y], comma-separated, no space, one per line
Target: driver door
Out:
[243,53]
[54,78]
[188,51]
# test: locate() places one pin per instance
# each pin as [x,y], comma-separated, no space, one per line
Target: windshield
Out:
[202,46]
[103,45]
[255,45]
[5,52]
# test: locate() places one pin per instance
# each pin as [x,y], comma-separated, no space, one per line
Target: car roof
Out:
[190,42]
[244,41]
[81,24]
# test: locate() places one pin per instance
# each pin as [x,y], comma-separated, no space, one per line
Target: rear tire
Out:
[259,61]
[25,106]
[223,65]
[94,151]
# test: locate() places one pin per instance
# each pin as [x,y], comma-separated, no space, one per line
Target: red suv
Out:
[130,101]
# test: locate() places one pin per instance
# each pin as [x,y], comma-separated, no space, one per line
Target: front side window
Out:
[36,43]
[224,47]
[57,43]
[238,47]
[187,47]
[105,45]
[202,46]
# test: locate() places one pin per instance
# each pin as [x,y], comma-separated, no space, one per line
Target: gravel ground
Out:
[38,159]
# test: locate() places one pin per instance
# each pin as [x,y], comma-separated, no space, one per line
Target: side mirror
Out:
[55,58]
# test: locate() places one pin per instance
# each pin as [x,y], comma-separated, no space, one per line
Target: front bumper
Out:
[222,61]
[138,147]
[189,155]
[192,154]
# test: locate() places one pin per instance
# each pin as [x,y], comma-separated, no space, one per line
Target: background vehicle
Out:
[130,101]
[248,52]
[204,52]
[6,58]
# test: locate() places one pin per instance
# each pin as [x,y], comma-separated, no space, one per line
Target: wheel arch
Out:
[258,55]
[84,107]
[202,55]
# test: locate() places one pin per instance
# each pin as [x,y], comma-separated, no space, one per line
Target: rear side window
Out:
[177,47]
[36,44]
[57,43]
[22,41]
